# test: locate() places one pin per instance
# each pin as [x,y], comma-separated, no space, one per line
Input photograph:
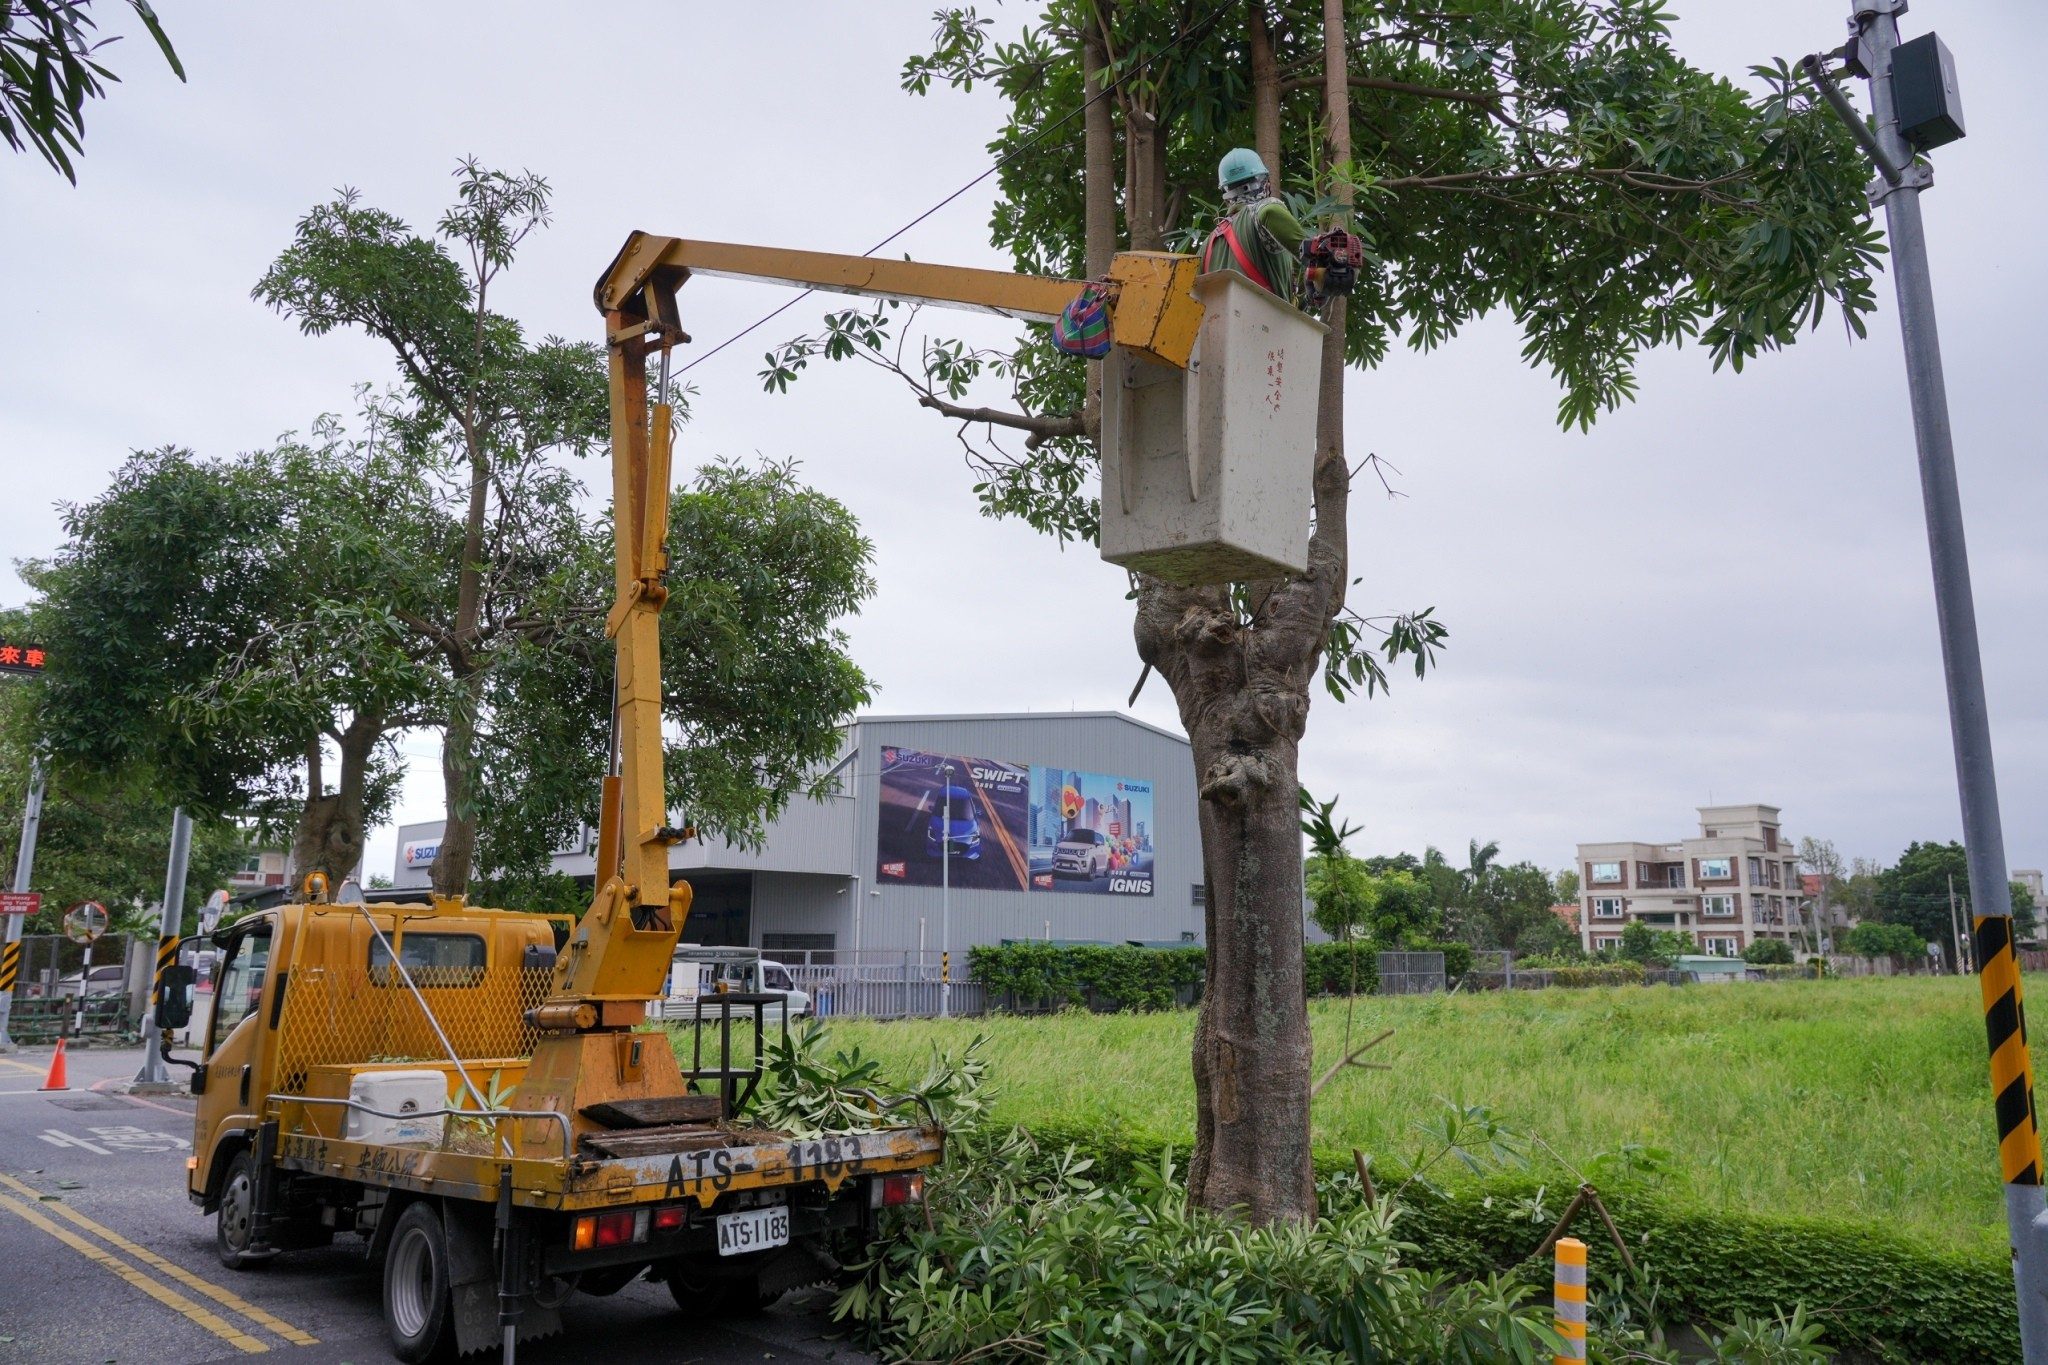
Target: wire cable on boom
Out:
[1188,34]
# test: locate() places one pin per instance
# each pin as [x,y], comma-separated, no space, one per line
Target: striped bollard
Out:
[1568,1290]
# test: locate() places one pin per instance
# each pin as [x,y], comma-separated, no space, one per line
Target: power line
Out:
[1186,35]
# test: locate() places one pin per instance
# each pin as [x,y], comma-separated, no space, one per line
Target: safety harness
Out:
[1245,263]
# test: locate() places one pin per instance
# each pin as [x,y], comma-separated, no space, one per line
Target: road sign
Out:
[85,922]
[20,902]
[17,657]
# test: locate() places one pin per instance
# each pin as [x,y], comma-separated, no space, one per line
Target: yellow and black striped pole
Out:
[2012,1069]
[166,958]
[10,967]
[1568,1298]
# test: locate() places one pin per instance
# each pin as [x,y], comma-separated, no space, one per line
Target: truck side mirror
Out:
[174,997]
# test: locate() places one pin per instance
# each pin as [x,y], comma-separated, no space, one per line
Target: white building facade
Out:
[1736,882]
[941,832]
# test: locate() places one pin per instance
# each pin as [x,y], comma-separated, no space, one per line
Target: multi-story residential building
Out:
[1737,882]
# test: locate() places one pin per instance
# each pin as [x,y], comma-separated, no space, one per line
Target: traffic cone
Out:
[57,1079]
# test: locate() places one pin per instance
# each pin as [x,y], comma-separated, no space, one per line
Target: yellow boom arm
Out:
[1153,309]
[621,948]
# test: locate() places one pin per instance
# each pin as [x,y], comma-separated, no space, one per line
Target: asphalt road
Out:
[105,1260]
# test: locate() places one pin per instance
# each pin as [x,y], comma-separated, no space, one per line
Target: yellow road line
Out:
[226,1298]
[23,1066]
[170,1298]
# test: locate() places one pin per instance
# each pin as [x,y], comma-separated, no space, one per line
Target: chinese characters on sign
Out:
[16,657]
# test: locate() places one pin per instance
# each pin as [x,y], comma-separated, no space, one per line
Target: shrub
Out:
[1332,966]
[1883,1293]
[1896,941]
[1768,952]
[1051,976]
[1046,976]
[1603,974]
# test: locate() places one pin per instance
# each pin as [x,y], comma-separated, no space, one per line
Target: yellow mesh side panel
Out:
[345,1015]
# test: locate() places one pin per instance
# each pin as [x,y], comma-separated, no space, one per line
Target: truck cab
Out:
[377,1072]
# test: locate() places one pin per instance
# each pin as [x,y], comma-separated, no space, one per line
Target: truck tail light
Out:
[892,1190]
[610,1229]
[670,1218]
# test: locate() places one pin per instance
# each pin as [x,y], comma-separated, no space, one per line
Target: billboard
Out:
[951,817]
[1090,833]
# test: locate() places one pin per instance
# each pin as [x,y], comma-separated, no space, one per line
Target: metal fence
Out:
[52,997]
[1411,973]
[884,985]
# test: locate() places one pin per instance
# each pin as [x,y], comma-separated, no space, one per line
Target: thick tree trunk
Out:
[1241,680]
[329,838]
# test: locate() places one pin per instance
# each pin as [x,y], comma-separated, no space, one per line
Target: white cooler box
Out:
[405,1093]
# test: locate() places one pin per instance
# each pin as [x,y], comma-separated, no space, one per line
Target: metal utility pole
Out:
[24,870]
[1955,926]
[1935,117]
[154,1072]
[946,899]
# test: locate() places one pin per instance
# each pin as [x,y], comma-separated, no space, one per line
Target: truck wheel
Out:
[416,1285]
[236,1221]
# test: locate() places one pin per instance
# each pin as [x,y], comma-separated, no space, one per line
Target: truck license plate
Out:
[753,1230]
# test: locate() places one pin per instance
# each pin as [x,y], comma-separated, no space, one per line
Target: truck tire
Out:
[416,1301]
[235,1220]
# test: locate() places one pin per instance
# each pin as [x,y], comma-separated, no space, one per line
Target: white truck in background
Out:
[698,972]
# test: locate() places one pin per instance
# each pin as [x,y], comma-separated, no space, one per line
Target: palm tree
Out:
[1479,861]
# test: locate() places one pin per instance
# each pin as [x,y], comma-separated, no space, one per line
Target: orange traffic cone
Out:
[57,1080]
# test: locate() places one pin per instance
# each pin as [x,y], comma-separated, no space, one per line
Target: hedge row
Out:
[1877,1292]
[1041,976]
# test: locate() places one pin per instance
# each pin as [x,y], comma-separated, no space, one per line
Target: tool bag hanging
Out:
[1082,328]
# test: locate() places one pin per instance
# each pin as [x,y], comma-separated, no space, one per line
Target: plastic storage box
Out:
[410,1095]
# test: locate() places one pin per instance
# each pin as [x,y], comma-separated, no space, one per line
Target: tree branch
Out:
[1042,428]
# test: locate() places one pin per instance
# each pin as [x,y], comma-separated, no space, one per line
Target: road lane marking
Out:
[226,1298]
[170,1298]
[24,1066]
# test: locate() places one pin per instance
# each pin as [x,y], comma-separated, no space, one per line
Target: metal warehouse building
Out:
[951,831]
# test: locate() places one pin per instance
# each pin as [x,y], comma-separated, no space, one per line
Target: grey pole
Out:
[1873,25]
[154,1073]
[946,900]
[24,870]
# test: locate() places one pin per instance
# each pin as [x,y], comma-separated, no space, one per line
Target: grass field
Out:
[1865,1098]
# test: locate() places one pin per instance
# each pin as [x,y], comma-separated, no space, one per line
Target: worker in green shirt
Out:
[1256,236]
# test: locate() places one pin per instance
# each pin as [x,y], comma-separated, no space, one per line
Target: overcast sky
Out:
[1720,594]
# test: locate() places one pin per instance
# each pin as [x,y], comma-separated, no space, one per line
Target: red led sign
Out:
[21,658]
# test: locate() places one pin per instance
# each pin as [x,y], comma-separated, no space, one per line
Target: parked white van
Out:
[697,971]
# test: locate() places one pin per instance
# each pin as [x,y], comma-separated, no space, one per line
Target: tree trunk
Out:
[329,838]
[1265,93]
[1241,680]
[1098,162]
[452,863]
[455,858]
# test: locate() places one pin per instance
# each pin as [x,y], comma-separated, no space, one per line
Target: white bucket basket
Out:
[1207,472]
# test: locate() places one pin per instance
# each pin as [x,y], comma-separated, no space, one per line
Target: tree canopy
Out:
[50,65]
[1550,161]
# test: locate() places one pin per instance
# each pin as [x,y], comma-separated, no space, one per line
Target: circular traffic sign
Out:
[85,921]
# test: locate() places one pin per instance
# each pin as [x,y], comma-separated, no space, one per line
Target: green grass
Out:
[1860,1099]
